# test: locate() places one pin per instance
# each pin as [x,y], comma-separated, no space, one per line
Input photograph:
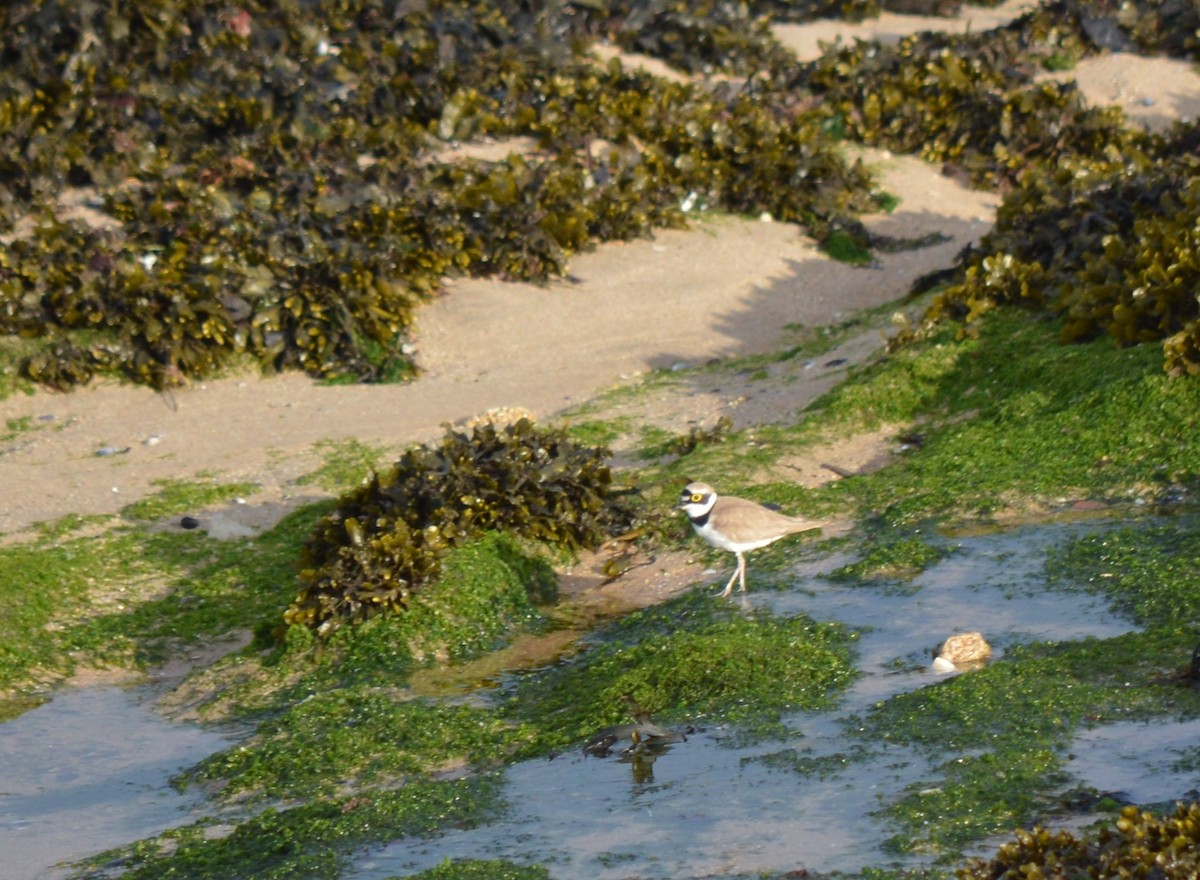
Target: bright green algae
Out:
[1002,732]
[1007,417]
[692,659]
[489,591]
[891,559]
[1148,573]
[314,840]
[479,869]
[134,593]
[184,496]
[355,738]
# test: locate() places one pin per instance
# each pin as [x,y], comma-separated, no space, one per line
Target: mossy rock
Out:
[386,540]
[690,660]
[352,737]
[1109,245]
[485,591]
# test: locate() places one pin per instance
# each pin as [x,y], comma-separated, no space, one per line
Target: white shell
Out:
[941,666]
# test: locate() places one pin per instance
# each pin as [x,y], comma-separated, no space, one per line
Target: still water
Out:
[87,771]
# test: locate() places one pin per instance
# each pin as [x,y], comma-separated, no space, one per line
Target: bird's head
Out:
[697,499]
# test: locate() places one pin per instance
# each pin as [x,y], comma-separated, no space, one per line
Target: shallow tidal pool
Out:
[714,805]
[90,769]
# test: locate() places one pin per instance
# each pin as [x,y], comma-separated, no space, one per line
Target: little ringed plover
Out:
[737,524]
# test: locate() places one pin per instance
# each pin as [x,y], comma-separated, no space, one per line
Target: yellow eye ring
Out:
[697,497]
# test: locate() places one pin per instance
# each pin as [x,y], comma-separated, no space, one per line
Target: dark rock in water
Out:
[646,739]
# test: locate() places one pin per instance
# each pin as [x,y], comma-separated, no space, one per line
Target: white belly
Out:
[706,532]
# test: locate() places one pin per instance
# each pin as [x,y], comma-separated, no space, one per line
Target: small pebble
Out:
[189,522]
[111,450]
[964,649]
[152,440]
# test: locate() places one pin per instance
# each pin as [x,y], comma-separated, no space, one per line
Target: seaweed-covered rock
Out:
[1151,26]
[386,539]
[970,101]
[270,183]
[1112,246]
[1140,846]
[267,177]
[728,36]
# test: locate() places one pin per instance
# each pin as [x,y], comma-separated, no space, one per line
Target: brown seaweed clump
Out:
[1097,222]
[385,540]
[970,102]
[269,181]
[1140,846]
[1111,246]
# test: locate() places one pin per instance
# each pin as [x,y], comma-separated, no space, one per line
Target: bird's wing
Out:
[757,520]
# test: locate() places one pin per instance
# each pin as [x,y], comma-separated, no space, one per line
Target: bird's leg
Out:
[729,586]
[742,570]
